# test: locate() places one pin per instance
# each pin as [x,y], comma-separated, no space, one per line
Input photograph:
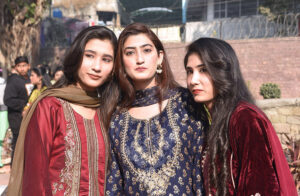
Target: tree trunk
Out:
[20,36]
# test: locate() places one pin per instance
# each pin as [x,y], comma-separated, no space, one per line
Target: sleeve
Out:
[197,127]
[197,171]
[12,99]
[257,172]
[114,178]
[37,149]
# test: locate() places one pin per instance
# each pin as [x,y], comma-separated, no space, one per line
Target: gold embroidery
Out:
[93,149]
[153,155]
[156,182]
[70,174]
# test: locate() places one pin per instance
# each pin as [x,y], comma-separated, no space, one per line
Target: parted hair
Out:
[165,80]
[109,91]
[223,66]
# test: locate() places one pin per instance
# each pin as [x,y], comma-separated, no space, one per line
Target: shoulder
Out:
[248,120]
[49,102]
[246,111]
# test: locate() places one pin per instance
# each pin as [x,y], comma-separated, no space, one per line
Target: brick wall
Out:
[275,60]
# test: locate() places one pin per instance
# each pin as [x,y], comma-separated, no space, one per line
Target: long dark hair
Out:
[223,67]
[165,80]
[108,91]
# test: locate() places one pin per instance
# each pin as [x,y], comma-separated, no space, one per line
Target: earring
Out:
[159,69]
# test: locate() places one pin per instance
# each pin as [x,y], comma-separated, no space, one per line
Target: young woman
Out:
[242,155]
[58,73]
[155,134]
[41,81]
[63,147]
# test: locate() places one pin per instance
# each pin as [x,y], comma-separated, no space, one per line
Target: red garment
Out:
[47,168]
[256,160]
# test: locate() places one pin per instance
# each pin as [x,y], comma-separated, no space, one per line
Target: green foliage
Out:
[30,10]
[270,90]
[292,153]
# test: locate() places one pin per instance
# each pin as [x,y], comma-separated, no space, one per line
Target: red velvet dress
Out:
[64,153]
[257,163]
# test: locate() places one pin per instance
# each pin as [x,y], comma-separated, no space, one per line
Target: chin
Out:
[200,99]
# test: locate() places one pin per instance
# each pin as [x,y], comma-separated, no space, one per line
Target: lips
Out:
[141,69]
[94,77]
[197,91]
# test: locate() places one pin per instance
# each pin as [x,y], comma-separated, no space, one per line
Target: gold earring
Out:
[159,69]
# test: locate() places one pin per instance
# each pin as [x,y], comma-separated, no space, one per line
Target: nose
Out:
[195,78]
[97,65]
[139,58]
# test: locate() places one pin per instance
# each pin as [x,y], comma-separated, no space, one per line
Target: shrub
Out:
[270,90]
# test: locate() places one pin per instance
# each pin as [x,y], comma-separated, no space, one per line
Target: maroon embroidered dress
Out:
[64,152]
[257,163]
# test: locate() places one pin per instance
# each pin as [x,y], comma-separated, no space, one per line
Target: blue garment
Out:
[160,155]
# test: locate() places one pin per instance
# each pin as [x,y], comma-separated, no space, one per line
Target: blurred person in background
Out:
[17,90]
[3,114]
[57,74]
[41,80]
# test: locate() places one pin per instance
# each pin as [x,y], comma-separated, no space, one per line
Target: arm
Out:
[37,149]
[198,185]
[257,172]
[114,178]
[12,99]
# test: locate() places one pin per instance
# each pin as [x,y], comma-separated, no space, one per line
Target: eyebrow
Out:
[198,66]
[142,46]
[94,52]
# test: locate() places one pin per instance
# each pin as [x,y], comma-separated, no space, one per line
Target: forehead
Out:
[21,64]
[100,46]
[137,40]
[194,60]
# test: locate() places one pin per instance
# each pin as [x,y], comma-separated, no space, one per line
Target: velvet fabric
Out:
[257,165]
[45,152]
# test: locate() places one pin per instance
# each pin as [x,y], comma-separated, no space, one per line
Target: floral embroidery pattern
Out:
[70,174]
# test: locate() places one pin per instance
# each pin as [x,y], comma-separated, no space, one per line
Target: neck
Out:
[139,85]
[39,86]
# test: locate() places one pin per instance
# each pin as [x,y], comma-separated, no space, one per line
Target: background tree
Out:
[20,29]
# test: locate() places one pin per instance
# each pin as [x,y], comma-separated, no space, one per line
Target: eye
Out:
[129,53]
[202,70]
[189,71]
[107,60]
[147,50]
[89,55]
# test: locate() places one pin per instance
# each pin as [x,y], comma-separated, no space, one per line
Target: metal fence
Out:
[245,27]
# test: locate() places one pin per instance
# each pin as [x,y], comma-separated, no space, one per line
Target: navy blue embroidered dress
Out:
[160,155]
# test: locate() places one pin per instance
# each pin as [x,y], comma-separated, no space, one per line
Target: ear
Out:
[160,57]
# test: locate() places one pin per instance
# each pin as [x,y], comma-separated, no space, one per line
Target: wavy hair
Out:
[109,91]
[165,80]
[223,67]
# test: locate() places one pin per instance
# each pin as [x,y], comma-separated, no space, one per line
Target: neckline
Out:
[86,119]
[152,117]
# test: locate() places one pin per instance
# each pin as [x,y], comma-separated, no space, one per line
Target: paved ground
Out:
[4,178]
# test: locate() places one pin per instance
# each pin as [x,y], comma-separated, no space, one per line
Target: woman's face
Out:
[35,79]
[199,81]
[140,59]
[58,75]
[97,64]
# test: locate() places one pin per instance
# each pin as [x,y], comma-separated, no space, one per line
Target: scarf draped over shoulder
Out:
[71,94]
